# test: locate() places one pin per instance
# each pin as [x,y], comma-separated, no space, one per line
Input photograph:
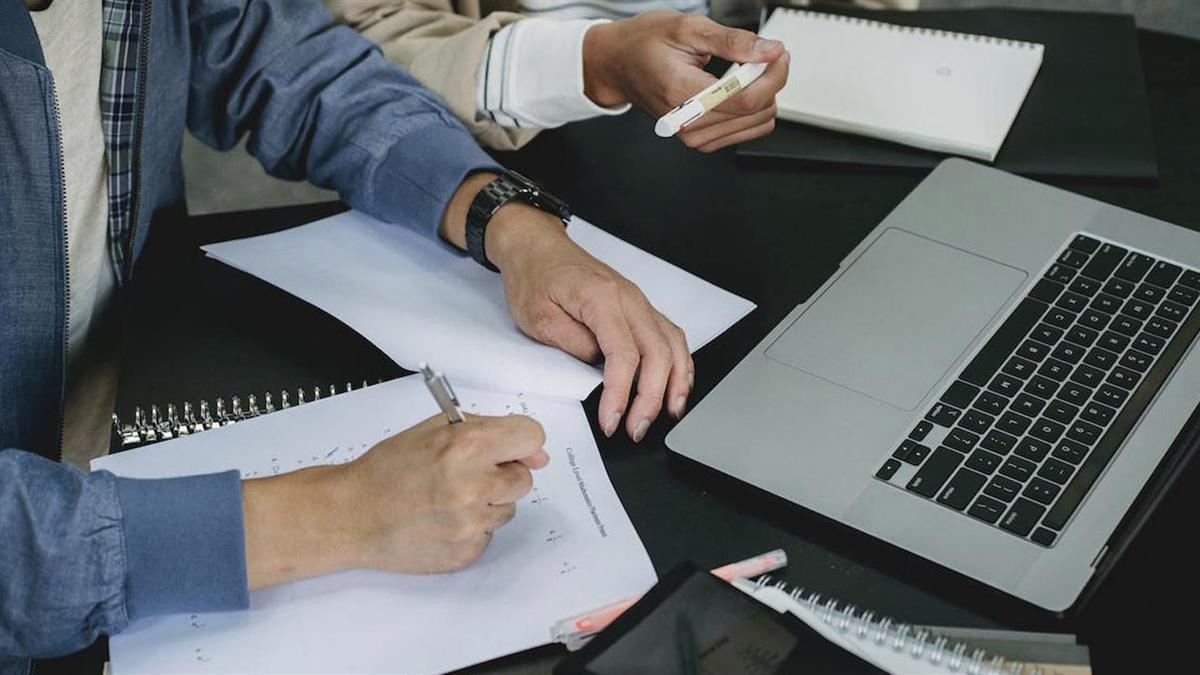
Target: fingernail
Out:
[678,406]
[610,427]
[639,431]
[691,380]
[761,45]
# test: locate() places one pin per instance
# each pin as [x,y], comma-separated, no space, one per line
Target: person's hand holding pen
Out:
[562,296]
[656,61]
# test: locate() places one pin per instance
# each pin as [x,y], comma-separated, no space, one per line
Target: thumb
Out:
[706,36]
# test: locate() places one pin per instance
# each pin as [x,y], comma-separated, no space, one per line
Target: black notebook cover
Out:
[1086,115]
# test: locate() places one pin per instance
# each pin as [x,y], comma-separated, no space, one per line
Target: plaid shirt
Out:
[119,80]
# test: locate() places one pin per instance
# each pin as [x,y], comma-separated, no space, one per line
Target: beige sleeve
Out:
[441,48]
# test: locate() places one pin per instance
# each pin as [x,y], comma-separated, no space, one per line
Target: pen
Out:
[439,386]
[577,630]
[710,97]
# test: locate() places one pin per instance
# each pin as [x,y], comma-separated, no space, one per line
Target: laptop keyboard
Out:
[1029,425]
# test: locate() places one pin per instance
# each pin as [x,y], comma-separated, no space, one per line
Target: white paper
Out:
[947,92]
[418,300]
[570,548]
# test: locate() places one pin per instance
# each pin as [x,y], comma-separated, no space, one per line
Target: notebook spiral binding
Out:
[162,425]
[915,30]
[920,643]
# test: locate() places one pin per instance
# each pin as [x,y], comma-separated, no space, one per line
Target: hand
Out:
[656,61]
[426,500]
[560,295]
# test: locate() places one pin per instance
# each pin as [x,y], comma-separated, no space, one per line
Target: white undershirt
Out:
[531,75]
[71,37]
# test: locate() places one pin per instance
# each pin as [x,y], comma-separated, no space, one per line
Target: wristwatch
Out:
[506,187]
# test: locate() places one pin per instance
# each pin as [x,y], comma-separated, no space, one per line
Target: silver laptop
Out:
[989,381]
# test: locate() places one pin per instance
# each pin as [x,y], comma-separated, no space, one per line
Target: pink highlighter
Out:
[576,631]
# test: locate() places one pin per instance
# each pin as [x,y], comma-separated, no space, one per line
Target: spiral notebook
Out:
[955,93]
[897,647]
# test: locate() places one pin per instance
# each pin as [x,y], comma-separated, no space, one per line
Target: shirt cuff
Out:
[532,75]
[185,545]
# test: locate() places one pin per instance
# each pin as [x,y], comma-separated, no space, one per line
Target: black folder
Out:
[1086,115]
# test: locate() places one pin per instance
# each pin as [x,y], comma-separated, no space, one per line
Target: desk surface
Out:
[199,330]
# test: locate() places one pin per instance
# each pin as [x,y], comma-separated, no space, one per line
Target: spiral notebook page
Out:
[570,548]
[948,92]
[417,300]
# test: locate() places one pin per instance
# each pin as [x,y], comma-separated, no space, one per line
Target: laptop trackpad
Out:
[893,324]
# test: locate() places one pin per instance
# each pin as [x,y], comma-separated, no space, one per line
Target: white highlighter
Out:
[710,97]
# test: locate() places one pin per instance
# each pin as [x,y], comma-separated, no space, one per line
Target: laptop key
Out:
[1095,320]
[1151,344]
[1054,369]
[1062,274]
[1088,376]
[1172,310]
[1068,352]
[962,489]
[984,462]
[1019,367]
[1111,395]
[1104,261]
[1018,469]
[943,415]
[1085,286]
[1004,489]
[1134,267]
[1013,423]
[1043,536]
[1100,358]
[960,394]
[1123,377]
[1027,405]
[961,440]
[1061,411]
[1005,385]
[1072,302]
[1033,350]
[1183,295]
[1074,393]
[1098,414]
[1137,361]
[933,474]
[1119,287]
[1150,293]
[1032,449]
[1092,468]
[1126,325]
[1138,308]
[998,441]
[1106,303]
[1023,515]
[1191,279]
[1042,387]
[1046,290]
[1114,342]
[987,509]
[1164,274]
[1160,327]
[1084,243]
[920,431]
[1047,430]
[888,469]
[1072,258]
[1084,432]
[976,421]
[991,402]
[1056,470]
[1004,341]
[1059,317]
[1047,334]
[1070,451]
[1041,491]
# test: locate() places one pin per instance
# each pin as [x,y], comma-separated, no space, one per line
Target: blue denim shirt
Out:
[83,555]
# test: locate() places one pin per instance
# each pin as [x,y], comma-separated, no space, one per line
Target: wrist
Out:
[518,229]
[600,67]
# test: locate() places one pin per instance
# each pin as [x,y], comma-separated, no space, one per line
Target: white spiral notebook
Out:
[955,93]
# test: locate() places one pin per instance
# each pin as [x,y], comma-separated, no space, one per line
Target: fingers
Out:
[709,136]
[679,386]
[761,93]
[606,319]
[512,438]
[498,515]
[705,36]
[559,329]
[656,361]
[739,137]
[509,483]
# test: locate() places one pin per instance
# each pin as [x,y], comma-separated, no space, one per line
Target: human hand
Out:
[656,61]
[560,295]
[423,501]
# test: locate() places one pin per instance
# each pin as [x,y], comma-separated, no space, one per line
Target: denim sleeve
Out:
[84,554]
[320,102]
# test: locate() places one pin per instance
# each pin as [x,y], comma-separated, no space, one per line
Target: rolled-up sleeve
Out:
[82,555]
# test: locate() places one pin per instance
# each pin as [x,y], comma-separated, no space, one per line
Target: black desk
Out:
[199,330]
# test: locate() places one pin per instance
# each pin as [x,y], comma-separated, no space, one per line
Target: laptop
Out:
[995,379]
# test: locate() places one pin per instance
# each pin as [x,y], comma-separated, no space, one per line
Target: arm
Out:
[321,103]
[83,555]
